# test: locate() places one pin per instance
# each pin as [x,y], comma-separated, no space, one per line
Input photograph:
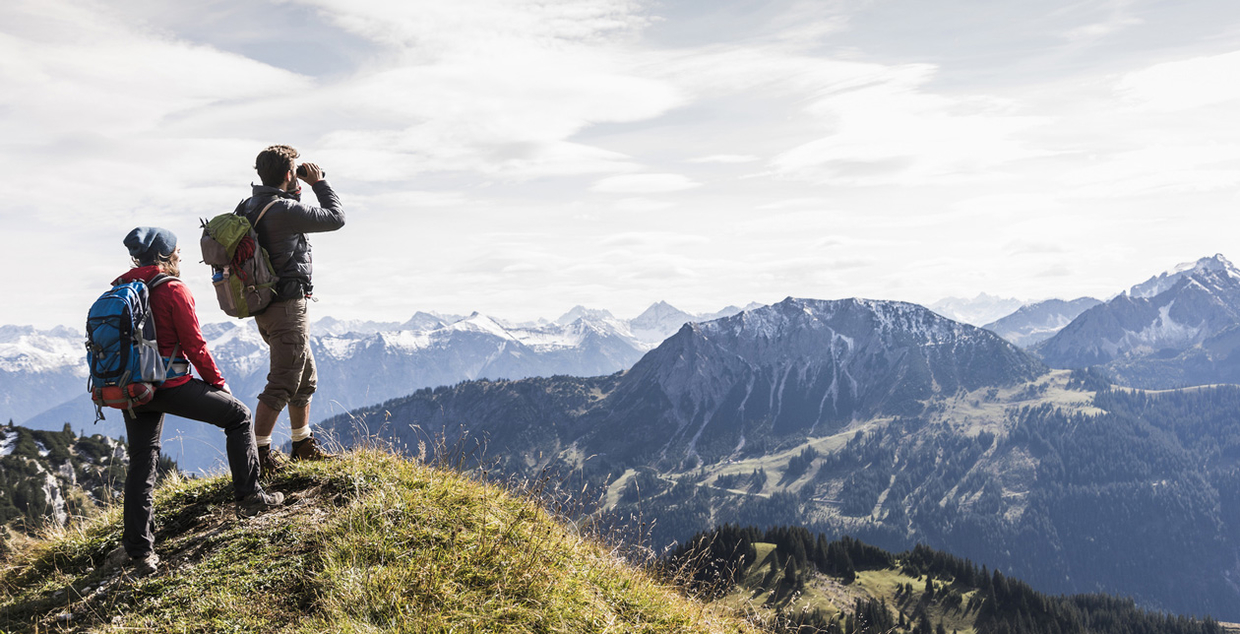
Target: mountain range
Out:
[1039,321]
[735,386]
[879,419]
[980,310]
[1164,332]
[1179,328]
[42,373]
[882,420]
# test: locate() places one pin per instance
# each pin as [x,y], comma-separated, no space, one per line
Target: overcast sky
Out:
[520,157]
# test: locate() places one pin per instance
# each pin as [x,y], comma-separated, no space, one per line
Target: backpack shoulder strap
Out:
[159,278]
[264,211]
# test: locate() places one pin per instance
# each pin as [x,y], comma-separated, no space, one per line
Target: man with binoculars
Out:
[282,222]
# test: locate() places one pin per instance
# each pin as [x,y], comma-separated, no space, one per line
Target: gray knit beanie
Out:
[147,243]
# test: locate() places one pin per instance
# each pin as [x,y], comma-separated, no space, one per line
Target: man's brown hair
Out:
[274,162]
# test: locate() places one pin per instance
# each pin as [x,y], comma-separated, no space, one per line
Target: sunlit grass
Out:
[367,543]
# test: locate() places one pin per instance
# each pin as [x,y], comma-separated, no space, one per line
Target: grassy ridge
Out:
[369,543]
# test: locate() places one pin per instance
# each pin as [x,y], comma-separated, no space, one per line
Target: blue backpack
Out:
[121,350]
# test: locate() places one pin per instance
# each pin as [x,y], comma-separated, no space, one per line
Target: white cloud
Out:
[642,204]
[797,203]
[1101,29]
[522,145]
[654,240]
[1032,247]
[1117,16]
[83,69]
[431,29]
[889,130]
[1179,85]
[491,86]
[644,184]
[1161,169]
[861,123]
[726,158]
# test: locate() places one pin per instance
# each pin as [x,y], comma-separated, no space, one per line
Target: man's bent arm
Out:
[328,216]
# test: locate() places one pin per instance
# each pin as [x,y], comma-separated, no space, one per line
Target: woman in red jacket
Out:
[206,399]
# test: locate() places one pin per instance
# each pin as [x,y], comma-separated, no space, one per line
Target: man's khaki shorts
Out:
[285,327]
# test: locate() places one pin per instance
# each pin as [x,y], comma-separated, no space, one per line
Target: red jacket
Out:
[172,305]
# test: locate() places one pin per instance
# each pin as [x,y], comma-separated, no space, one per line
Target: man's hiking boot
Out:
[269,462]
[309,449]
[142,566]
[259,501]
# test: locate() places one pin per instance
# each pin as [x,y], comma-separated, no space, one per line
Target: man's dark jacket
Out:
[283,230]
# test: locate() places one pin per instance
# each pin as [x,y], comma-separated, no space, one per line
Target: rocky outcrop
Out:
[48,477]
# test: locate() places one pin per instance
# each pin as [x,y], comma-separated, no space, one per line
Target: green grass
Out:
[368,543]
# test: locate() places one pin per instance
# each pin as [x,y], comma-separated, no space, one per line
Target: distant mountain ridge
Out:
[977,311]
[1039,321]
[42,373]
[734,386]
[1159,340]
[38,368]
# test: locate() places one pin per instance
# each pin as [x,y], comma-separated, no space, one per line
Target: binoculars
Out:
[301,171]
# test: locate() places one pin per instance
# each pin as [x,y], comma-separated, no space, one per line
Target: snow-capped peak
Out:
[478,322]
[659,322]
[421,321]
[661,311]
[581,312]
[884,318]
[1163,281]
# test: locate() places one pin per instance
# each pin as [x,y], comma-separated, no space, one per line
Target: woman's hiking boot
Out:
[309,449]
[259,501]
[140,566]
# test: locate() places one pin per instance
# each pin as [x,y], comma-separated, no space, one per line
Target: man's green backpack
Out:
[241,269]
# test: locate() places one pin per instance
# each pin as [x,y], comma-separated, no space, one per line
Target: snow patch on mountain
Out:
[478,322]
[343,347]
[1163,332]
[8,442]
[402,340]
[557,338]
